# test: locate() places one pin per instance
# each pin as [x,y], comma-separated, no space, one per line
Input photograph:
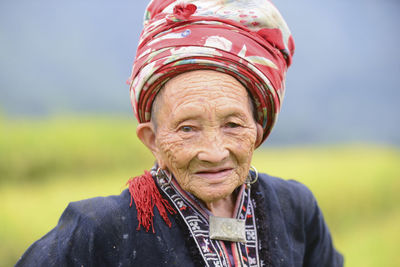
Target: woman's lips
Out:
[214,174]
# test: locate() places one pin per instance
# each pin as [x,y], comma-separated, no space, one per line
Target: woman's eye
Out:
[186,129]
[232,125]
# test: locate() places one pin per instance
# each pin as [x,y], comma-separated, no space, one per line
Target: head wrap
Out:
[247,39]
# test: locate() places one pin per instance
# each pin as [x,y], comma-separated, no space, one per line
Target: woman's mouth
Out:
[214,174]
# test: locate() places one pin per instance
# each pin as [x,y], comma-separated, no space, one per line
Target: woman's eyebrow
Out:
[184,118]
[237,114]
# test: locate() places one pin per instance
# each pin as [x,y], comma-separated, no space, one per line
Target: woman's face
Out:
[205,133]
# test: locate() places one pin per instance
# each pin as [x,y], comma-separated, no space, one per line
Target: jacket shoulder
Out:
[86,226]
[297,223]
[100,208]
[287,192]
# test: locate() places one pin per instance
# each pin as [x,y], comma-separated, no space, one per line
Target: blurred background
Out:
[67,131]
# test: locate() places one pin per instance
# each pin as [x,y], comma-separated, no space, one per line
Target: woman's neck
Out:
[223,207]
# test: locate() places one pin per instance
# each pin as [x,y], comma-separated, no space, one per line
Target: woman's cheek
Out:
[175,150]
[242,143]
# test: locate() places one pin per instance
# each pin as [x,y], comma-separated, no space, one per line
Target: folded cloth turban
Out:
[247,39]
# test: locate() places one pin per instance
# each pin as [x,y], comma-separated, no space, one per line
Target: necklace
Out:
[227,229]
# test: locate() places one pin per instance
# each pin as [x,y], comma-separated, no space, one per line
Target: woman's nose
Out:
[213,152]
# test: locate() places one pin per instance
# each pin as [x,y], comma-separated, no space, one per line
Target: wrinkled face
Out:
[205,133]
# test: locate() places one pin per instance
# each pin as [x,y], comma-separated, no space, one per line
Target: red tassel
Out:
[145,193]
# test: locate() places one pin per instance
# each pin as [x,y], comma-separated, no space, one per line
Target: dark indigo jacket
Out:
[102,232]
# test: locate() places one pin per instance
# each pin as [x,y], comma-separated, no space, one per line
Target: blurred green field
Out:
[44,164]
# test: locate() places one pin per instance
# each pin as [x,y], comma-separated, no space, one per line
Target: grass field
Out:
[45,164]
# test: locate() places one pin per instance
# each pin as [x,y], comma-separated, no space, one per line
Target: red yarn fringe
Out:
[145,193]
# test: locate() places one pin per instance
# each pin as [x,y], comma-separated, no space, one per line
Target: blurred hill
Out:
[73,57]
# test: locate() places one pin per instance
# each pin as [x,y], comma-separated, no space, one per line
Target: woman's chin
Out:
[211,187]
[213,192]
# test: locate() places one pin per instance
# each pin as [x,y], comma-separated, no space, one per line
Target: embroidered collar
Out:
[196,217]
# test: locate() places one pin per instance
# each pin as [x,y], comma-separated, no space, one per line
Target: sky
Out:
[73,57]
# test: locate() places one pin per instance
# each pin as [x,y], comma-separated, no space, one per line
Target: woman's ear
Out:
[146,133]
[260,134]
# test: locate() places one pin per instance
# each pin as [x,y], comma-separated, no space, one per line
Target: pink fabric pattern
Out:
[247,39]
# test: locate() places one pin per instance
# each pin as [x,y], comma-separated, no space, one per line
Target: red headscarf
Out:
[247,39]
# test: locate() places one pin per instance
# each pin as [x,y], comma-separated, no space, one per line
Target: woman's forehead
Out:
[204,84]
[202,94]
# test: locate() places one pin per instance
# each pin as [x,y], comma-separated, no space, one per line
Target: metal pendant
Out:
[227,229]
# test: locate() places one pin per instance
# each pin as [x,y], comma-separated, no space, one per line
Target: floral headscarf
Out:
[247,39]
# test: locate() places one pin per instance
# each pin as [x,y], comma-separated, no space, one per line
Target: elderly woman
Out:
[206,86]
